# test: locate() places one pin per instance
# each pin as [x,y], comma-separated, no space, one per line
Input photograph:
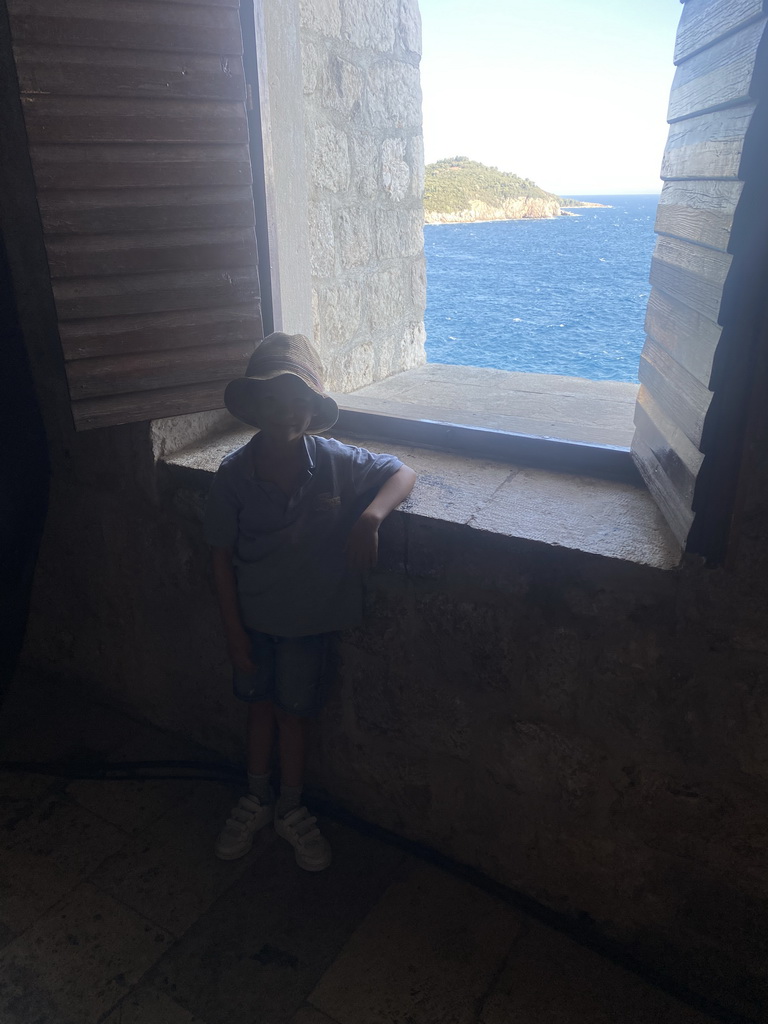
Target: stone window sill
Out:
[599,517]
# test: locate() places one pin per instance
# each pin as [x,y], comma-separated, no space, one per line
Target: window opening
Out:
[553,107]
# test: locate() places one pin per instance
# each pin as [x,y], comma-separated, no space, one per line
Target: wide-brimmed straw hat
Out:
[279,354]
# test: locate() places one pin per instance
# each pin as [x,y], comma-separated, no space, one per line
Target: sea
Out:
[563,296]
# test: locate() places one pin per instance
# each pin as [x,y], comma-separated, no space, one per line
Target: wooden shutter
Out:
[694,367]
[138,134]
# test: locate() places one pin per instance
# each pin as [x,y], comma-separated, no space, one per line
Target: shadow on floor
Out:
[115,910]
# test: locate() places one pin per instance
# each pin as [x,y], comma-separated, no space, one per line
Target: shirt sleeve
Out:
[369,472]
[221,513]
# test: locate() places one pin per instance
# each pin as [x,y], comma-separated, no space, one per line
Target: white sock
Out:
[290,799]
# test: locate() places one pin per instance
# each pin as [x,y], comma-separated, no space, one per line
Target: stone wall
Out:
[365,175]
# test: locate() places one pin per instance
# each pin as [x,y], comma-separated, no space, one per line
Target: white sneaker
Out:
[236,838]
[299,827]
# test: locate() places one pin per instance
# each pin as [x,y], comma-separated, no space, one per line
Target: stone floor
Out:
[113,909]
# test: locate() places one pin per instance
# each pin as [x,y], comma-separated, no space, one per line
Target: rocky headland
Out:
[462,191]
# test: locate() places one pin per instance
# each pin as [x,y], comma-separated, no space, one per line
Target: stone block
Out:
[409,26]
[357,368]
[365,163]
[395,172]
[322,246]
[399,232]
[399,349]
[412,353]
[371,26]
[384,294]
[419,284]
[394,95]
[355,236]
[312,61]
[322,16]
[329,159]
[415,158]
[341,84]
[337,318]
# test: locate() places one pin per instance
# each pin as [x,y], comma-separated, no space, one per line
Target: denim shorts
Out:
[290,671]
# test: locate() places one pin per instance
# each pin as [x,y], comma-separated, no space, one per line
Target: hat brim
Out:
[241,397]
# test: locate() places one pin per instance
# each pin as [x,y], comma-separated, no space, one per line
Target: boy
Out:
[293,520]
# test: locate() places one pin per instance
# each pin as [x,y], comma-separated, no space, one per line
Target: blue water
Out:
[544,296]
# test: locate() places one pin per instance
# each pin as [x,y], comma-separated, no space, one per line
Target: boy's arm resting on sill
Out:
[363,543]
[238,642]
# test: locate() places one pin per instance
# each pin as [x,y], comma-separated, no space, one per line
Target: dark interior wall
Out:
[589,732]
[23,475]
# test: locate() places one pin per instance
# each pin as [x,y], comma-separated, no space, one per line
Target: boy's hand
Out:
[240,652]
[363,543]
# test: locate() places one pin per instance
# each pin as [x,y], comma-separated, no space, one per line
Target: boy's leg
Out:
[299,678]
[254,811]
[261,731]
[292,739]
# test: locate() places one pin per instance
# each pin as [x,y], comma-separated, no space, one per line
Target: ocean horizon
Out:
[565,295]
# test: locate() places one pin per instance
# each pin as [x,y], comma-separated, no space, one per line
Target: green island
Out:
[458,190]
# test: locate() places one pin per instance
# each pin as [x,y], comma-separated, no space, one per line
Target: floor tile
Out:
[77,961]
[46,854]
[20,793]
[168,872]
[550,978]
[148,1006]
[426,954]
[29,886]
[309,1015]
[60,828]
[261,948]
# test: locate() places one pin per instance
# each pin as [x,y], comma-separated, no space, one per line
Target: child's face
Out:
[286,408]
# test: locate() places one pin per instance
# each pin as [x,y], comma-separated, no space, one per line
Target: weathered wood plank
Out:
[116,335]
[708,146]
[689,337]
[677,456]
[126,210]
[139,166]
[147,405]
[698,211]
[142,253]
[691,273]
[703,22]
[84,298]
[194,3]
[678,516]
[717,77]
[113,375]
[80,71]
[127,26]
[75,119]
[683,399]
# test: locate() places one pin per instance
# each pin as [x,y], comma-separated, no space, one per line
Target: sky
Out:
[570,93]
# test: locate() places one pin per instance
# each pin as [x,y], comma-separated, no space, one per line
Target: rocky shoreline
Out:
[523,208]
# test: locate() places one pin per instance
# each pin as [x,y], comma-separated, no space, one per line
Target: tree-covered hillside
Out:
[452,185]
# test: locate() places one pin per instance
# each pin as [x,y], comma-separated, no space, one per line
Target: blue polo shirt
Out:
[289,553]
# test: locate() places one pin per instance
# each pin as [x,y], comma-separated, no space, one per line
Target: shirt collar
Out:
[309,445]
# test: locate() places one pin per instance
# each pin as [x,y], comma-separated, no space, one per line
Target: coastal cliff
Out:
[462,191]
[522,208]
